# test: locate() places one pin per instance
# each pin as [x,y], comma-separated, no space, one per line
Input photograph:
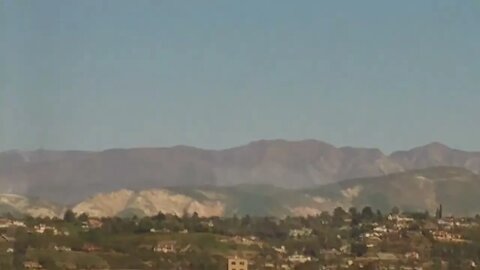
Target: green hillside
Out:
[455,188]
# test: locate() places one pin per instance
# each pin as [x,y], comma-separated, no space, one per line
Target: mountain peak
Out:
[436,146]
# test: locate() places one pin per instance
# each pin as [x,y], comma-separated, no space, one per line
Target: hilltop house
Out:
[236,263]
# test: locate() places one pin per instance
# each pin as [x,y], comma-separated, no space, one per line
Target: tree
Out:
[246,221]
[338,216]
[307,266]
[379,215]
[160,217]
[395,211]
[439,213]
[359,249]
[20,248]
[69,216]
[48,262]
[354,215]
[144,225]
[367,213]
[83,217]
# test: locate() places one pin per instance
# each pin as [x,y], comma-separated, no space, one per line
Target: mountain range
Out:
[418,190]
[69,177]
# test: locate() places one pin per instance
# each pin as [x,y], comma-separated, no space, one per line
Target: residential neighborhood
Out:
[343,239]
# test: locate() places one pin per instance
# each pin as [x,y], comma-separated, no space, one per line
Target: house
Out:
[281,249]
[236,263]
[383,256]
[269,265]
[5,223]
[32,265]
[300,233]
[90,248]
[18,223]
[401,221]
[329,254]
[248,241]
[165,247]
[62,248]
[299,258]
[94,223]
[414,256]
[371,240]
[42,228]
[380,229]
[443,236]
[207,224]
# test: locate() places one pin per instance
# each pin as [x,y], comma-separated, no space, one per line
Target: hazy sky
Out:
[215,74]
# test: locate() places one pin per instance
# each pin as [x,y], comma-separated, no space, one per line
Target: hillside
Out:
[208,201]
[418,190]
[457,189]
[69,177]
[17,205]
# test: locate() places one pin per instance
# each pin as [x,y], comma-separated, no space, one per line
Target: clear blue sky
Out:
[213,74]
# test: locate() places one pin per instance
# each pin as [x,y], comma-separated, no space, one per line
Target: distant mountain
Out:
[436,154]
[71,176]
[419,190]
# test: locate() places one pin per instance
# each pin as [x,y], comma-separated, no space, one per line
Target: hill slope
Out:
[456,188]
[208,201]
[17,205]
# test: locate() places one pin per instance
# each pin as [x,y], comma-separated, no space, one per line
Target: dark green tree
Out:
[20,249]
[395,211]
[69,216]
[367,213]
[83,217]
[339,216]
[358,249]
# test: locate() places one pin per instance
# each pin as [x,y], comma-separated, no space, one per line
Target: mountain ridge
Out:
[70,176]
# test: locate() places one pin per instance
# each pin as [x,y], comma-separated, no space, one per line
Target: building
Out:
[299,258]
[300,233]
[94,223]
[165,247]
[90,248]
[42,228]
[7,223]
[236,263]
[32,265]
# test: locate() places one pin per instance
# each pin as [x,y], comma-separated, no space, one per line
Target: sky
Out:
[93,75]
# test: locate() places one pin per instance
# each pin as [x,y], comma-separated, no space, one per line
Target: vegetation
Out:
[359,237]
